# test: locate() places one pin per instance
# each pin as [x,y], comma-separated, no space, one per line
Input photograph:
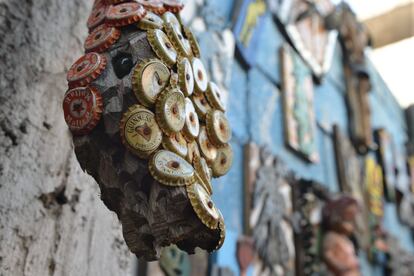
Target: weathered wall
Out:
[52,221]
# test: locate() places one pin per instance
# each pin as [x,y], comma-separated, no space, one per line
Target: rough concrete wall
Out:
[52,221]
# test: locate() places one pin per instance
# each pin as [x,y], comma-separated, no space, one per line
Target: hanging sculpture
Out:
[149,126]
[269,220]
[339,252]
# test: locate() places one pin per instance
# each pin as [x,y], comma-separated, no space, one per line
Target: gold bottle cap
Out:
[176,143]
[218,128]
[185,76]
[149,79]
[170,18]
[170,169]
[140,132]
[193,151]
[208,150]
[204,172]
[193,42]
[201,105]
[150,21]
[174,80]
[215,96]
[203,205]
[170,111]
[178,41]
[200,75]
[222,227]
[192,124]
[162,46]
[223,161]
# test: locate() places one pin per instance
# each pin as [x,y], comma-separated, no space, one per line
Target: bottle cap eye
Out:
[122,64]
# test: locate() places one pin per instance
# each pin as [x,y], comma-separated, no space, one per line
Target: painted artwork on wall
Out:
[247,28]
[306,29]
[374,187]
[387,158]
[298,106]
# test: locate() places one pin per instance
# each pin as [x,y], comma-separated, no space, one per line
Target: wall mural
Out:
[299,114]
[309,35]
[247,28]
[270,223]
[387,158]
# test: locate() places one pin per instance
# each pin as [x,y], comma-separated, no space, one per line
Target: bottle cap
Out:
[170,169]
[193,42]
[140,132]
[97,16]
[215,96]
[192,124]
[207,149]
[162,46]
[124,14]
[150,21]
[176,143]
[86,69]
[177,39]
[200,75]
[204,172]
[170,18]
[149,79]
[101,38]
[82,107]
[156,6]
[185,76]
[223,161]
[170,111]
[222,227]
[203,205]
[174,6]
[201,105]
[218,128]
[193,151]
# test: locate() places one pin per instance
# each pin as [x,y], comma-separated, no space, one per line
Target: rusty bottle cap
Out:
[101,38]
[82,108]
[200,75]
[223,161]
[176,143]
[150,21]
[97,16]
[124,14]
[86,69]
[155,6]
[170,18]
[170,111]
[178,40]
[215,96]
[162,46]
[207,149]
[218,128]
[192,124]
[185,76]
[170,169]
[140,132]
[203,205]
[149,79]
[174,6]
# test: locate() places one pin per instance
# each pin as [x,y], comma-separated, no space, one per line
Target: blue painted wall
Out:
[255,113]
